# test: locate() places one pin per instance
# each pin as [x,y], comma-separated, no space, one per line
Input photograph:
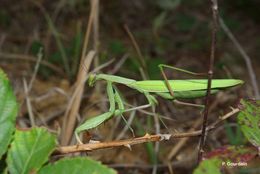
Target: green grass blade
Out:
[59,44]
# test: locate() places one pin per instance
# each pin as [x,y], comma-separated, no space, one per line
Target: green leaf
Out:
[211,166]
[8,112]
[30,150]
[77,165]
[249,120]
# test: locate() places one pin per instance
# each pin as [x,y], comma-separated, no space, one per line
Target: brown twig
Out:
[102,145]
[214,7]
[139,140]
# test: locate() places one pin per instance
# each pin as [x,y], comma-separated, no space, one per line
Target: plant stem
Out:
[214,7]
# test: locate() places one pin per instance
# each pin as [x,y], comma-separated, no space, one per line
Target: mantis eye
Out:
[91,79]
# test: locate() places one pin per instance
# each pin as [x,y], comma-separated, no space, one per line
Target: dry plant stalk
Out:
[72,111]
[74,103]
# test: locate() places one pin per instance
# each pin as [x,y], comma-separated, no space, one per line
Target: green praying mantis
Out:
[167,89]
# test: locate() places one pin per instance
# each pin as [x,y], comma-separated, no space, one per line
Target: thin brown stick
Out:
[139,140]
[214,7]
[244,55]
[95,7]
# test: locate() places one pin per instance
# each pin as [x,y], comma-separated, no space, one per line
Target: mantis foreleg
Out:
[96,121]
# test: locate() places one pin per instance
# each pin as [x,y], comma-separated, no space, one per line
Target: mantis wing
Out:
[158,86]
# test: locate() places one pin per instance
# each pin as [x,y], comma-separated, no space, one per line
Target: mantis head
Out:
[91,79]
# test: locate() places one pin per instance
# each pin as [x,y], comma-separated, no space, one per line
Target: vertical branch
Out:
[214,7]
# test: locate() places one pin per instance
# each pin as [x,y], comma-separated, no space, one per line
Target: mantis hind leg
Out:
[161,67]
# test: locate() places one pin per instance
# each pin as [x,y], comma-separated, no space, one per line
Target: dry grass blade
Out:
[28,102]
[137,48]
[245,57]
